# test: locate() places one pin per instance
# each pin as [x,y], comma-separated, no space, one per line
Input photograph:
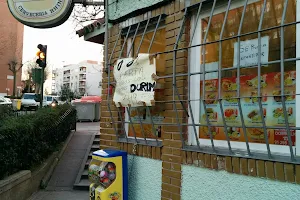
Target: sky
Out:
[63,46]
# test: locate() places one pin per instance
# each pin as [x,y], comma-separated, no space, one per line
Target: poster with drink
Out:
[272,112]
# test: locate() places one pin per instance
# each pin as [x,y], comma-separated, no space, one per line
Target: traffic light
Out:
[42,55]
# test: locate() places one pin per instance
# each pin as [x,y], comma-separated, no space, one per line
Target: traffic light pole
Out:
[42,62]
[42,87]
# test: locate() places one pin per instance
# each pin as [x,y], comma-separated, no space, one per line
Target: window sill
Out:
[258,155]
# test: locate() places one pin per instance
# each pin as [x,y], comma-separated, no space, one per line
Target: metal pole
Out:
[42,87]
[106,34]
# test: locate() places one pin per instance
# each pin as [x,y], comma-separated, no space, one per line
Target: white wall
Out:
[202,183]
[93,77]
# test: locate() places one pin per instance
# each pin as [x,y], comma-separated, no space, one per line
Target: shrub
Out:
[5,111]
[26,141]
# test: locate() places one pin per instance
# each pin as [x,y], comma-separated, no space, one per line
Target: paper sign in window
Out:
[249,55]
[134,82]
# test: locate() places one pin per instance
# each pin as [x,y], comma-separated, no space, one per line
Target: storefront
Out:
[225,97]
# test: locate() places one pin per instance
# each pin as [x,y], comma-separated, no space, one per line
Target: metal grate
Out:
[284,59]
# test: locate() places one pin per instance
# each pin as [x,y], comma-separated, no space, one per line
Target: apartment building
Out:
[83,78]
[11,48]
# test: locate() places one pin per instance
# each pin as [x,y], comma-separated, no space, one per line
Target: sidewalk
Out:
[60,186]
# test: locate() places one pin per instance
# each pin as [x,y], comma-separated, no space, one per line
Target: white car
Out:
[5,101]
[29,102]
[49,99]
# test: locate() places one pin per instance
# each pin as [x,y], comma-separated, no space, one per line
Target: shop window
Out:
[136,129]
[229,102]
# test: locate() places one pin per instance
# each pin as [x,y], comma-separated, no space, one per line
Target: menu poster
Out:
[272,109]
[250,104]
[211,109]
[276,107]
[230,102]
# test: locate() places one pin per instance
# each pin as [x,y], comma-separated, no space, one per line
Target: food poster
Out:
[212,105]
[253,116]
[272,111]
[231,109]
[276,107]
[230,102]
[213,112]
[141,113]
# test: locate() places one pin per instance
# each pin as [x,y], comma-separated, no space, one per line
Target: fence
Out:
[241,97]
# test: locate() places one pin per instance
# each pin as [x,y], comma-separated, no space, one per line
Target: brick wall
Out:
[171,154]
[11,46]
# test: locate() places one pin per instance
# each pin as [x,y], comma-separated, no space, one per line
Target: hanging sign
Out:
[41,13]
[134,81]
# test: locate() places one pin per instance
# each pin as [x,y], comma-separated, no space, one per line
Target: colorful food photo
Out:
[211,114]
[234,133]
[205,133]
[257,135]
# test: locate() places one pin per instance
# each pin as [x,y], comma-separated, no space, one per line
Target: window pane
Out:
[270,82]
[155,111]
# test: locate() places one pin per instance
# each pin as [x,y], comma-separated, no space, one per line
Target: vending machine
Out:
[108,175]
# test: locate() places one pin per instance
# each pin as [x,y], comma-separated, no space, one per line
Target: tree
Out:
[14,66]
[29,81]
[66,93]
[83,15]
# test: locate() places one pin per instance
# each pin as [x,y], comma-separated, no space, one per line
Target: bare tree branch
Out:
[83,15]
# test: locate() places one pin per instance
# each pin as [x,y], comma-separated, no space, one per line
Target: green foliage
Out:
[66,93]
[26,141]
[5,112]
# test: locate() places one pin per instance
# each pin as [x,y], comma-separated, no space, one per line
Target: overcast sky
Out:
[64,46]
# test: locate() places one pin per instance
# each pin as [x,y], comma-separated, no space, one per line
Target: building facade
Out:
[11,49]
[84,78]
[225,120]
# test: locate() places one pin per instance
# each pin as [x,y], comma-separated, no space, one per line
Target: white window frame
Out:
[195,61]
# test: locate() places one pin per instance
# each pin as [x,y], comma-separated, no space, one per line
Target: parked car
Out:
[58,99]
[5,101]
[49,99]
[30,101]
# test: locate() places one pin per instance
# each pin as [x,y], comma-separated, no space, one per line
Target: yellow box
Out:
[109,176]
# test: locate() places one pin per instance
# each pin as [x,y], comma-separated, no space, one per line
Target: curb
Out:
[46,178]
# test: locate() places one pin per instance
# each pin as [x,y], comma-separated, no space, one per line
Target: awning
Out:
[93,32]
